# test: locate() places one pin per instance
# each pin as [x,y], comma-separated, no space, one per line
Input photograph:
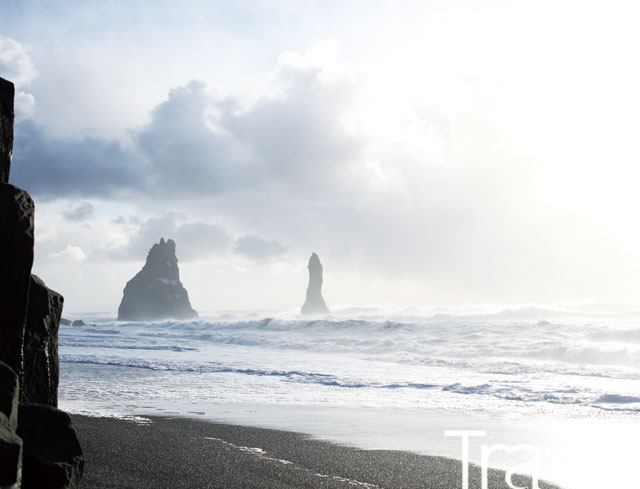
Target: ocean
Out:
[565,380]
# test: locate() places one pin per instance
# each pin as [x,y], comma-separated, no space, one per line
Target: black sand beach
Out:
[186,453]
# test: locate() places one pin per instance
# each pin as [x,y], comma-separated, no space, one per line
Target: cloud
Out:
[258,248]
[80,213]
[16,66]
[302,166]
[197,145]
[429,156]
[15,62]
[195,240]
[297,166]
[379,190]
[70,252]
[186,153]
[297,141]
[51,167]
[176,155]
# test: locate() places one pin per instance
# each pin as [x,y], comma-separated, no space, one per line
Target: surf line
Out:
[262,454]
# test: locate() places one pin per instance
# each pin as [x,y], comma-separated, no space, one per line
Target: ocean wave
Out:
[618,399]
[463,341]
[287,375]
[586,354]
[117,346]
[505,391]
[521,392]
[529,361]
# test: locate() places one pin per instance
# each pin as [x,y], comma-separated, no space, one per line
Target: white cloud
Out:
[15,62]
[17,67]
[320,166]
[70,252]
[24,105]
[448,152]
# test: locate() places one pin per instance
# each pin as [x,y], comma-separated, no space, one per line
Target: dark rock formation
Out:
[44,452]
[7,92]
[10,456]
[78,322]
[65,322]
[52,455]
[315,303]
[10,443]
[156,291]
[9,394]
[41,369]
[16,250]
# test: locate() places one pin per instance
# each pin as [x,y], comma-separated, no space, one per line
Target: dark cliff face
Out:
[7,93]
[156,291]
[33,437]
[41,368]
[315,303]
[16,249]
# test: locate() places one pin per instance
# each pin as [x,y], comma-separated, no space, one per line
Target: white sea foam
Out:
[518,366]
[434,359]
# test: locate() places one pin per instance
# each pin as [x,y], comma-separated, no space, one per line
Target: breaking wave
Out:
[510,357]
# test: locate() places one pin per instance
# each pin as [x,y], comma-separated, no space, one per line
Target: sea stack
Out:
[156,291]
[315,304]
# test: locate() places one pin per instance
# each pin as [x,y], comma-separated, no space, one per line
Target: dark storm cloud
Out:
[195,146]
[61,167]
[176,154]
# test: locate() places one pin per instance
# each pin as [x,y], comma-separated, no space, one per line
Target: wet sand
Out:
[187,453]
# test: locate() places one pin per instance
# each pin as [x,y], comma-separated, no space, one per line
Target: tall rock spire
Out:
[156,291]
[315,304]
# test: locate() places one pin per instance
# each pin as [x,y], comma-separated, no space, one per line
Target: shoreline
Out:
[190,453]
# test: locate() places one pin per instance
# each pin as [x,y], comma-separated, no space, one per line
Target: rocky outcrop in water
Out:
[315,304]
[156,291]
[29,320]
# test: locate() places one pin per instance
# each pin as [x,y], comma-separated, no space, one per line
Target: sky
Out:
[433,153]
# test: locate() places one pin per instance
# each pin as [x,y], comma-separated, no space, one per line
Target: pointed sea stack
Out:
[315,304]
[156,291]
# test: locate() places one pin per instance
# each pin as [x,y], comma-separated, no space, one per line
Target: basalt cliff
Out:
[38,446]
